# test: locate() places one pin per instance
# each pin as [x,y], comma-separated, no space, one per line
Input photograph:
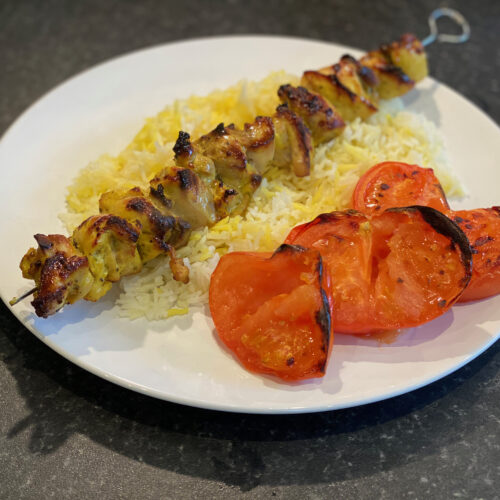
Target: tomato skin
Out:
[482,228]
[395,184]
[395,270]
[274,312]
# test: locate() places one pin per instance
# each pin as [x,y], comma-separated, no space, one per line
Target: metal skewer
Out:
[443,37]
[16,300]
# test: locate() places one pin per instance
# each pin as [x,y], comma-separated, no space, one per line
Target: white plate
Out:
[99,111]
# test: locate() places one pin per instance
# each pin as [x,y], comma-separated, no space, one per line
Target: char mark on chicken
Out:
[159,230]
[186,194]
[392,80]
[323,121]
[293,142]
[232,167]
[110,244]
[347,86]
[408,53]
[61,273]
[257,139]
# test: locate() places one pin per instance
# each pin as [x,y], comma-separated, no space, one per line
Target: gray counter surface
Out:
[66,433]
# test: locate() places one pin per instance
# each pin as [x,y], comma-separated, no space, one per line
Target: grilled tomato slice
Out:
[482,228]
[273,311]
[398,269]
[393,184]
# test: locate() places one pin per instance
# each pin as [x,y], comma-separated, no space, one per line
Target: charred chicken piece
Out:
[159,232]
[293,142]
[181,191]
[347,85]
[225,198]
[231,165]
[392,80]
[61,273]
[229,161]
[110,244]
[228,155]
[408,53]
[187,156]
[322,120]
[257,139]
[355,76]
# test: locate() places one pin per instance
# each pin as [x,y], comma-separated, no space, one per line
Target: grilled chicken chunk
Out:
[322,120]
[187,156]
[408,53]
[239,157]
[355,76]
[293,142]
[61,273]
[231,165]
[158,233]
[181,191]
[348,86]
[257,139]
[392,80]
[225,198]
[110,244]
[228,155]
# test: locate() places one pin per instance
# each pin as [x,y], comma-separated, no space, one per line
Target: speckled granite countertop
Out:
[66,433]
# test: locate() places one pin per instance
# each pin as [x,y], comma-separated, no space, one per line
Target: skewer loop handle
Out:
[443,37]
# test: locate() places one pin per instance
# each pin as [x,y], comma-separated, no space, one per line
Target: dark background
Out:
[66,433]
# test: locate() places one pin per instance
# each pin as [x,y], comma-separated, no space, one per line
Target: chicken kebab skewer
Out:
[214,177]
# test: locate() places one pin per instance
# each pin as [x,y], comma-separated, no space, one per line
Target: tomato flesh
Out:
[272,311]
[394,184]
[395,270]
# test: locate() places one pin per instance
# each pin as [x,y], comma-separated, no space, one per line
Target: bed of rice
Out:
[281,202]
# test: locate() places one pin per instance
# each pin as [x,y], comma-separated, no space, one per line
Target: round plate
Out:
[181,360]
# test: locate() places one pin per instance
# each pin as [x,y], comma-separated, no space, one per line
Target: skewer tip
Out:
[16,300]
